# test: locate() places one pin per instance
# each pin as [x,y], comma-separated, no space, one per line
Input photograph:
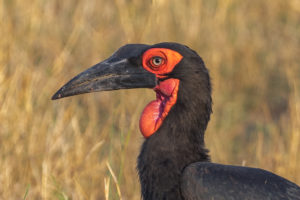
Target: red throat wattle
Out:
[156,111]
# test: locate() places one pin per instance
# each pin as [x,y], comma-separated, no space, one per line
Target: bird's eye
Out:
[156,61]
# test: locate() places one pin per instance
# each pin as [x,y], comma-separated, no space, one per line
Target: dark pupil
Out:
[157,61]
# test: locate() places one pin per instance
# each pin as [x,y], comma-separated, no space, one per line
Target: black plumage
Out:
[203,180]
[173,162]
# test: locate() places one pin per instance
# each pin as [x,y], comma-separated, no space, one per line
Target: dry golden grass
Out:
[85,147]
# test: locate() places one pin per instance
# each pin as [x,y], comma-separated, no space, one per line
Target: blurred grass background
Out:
[85,147]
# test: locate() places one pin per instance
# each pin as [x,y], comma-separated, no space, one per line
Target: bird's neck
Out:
[178,143]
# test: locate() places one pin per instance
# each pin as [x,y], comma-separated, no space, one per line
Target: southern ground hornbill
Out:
[173,163]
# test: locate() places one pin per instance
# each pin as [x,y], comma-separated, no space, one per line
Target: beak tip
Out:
[56,96]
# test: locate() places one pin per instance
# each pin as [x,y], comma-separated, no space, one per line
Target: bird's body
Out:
[203,180]
[173,162]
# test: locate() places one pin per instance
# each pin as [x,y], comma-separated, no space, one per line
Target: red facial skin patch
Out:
[170,60]
[159,61]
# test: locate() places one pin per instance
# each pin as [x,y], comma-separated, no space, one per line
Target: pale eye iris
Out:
[157,61]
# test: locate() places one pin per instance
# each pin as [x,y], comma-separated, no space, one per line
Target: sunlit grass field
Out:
[85,147]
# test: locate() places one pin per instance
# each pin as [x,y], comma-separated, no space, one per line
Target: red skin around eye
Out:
[166,92]
[171,59]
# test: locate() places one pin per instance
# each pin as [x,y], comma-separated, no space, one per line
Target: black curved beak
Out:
[111,74]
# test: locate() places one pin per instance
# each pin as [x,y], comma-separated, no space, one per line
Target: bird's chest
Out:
[160,170]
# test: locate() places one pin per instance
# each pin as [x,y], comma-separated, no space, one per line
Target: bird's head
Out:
[175,72]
